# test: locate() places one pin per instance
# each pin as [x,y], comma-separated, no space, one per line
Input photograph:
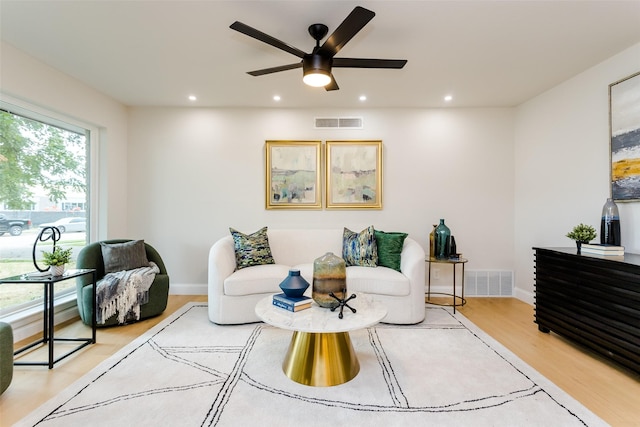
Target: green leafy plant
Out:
[59,256]
[582,233]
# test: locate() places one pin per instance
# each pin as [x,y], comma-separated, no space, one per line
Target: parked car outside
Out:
[13,226]
[71,224]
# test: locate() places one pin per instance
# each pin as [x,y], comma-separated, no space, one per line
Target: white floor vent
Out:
[488,283]
[338,123]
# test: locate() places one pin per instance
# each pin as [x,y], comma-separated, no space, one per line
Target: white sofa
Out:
[233,294]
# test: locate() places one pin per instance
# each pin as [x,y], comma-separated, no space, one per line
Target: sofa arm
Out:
[222,263]
[412,265]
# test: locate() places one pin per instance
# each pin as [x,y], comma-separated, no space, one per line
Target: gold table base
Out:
[321,359]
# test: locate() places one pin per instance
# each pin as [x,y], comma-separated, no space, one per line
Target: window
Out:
[44,170]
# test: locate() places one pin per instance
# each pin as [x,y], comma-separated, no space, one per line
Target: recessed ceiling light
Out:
[192,98]
[363,97]
[276,97]
[448,98]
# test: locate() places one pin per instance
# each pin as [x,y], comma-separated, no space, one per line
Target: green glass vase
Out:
[442,240]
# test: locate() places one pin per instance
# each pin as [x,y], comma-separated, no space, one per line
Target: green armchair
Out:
[6,356]
[91,257]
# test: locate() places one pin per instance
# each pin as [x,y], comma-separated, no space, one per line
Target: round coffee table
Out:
[320,353]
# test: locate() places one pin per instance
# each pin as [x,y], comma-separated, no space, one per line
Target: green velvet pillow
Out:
[389,248]
[360,248]
[252,249]
[124,256]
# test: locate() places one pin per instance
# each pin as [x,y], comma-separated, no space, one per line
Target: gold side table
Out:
[457,301]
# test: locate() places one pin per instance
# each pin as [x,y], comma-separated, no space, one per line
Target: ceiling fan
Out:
[316,66]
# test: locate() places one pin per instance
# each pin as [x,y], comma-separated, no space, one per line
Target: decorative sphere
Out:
[294,284]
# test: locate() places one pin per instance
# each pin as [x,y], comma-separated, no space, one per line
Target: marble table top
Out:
[322,320]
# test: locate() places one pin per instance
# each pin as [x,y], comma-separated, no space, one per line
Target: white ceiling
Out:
[484,53]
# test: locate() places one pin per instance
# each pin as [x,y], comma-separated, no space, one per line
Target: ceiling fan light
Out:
[316,78]
[316,70]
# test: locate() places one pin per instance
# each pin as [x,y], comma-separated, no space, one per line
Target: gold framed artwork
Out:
[293,175]
[353,175]
[624,123]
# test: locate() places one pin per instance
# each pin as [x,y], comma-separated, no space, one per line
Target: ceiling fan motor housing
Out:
[316,63]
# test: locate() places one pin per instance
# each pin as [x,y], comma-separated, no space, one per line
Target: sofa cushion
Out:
[379,281]
[252,249]
[389,248]
[123,256]
[360,248]
[260,279]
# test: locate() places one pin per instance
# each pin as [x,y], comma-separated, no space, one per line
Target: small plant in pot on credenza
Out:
[582,233]
[57,259]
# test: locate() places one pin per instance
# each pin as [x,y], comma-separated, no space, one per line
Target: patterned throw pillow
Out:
[252,249]
[360,248]
[124,256]
[389,248]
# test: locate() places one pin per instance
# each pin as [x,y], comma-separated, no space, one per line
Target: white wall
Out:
[195,172]
[562,164]
[35,84]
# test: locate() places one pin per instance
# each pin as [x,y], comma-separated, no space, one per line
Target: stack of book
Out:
[291,303]
[607,250]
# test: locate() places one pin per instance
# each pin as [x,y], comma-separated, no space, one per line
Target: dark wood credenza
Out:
[593,300]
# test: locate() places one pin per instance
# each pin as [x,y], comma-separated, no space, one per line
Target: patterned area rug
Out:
[189,372]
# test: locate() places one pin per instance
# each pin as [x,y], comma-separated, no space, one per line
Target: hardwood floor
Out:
[611,392]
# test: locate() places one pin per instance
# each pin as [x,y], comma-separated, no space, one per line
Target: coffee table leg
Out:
[321,359]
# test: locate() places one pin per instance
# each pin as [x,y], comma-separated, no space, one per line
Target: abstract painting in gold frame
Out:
[293,171]
[624,123]
[353,174]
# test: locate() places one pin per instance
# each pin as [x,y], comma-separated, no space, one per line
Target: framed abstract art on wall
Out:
[293,175]
[624,124]
[353,175]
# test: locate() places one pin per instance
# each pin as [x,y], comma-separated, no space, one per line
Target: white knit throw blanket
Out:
[123,292]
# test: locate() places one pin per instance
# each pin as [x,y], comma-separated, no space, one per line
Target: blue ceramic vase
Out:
[294,284]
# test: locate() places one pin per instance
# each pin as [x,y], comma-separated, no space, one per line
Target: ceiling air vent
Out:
[338,123]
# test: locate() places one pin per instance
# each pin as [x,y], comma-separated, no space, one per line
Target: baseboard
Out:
[188,289]
[523,295]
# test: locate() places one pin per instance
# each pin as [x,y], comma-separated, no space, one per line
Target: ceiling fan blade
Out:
[275,69]
[357,19]
[333,85]
[368,63]
[266,38]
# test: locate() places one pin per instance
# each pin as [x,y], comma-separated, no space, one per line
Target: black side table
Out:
[48,323]
[458,301]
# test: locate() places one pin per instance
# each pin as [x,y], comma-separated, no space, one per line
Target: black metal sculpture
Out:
[47,233]
[342,302]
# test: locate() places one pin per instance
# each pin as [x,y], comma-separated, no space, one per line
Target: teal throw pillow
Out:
[389,248]
[252,249]
[360,248]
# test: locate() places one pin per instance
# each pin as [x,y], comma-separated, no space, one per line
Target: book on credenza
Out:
[602,247]
[592,248]
[291,303]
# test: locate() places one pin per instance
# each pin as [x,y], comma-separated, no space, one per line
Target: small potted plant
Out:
[582,233]
[57,259]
